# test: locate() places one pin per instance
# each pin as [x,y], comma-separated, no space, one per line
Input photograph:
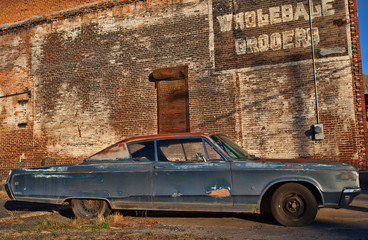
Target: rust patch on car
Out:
[295,166]
[219,193]
[176,195]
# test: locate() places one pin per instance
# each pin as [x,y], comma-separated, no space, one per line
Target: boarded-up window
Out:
[173,116]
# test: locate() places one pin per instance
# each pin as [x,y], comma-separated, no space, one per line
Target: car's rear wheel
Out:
[90,209]
[293,205]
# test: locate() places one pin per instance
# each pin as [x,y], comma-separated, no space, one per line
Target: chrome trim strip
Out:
[351,190]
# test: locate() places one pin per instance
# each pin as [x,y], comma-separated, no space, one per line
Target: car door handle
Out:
[158,167]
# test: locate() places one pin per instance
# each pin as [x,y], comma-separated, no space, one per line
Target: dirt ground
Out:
[19,220]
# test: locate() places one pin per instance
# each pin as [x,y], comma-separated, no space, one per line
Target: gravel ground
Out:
[19,220]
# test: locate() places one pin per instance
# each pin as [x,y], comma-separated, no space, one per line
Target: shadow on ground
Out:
[18,206]
[360,209]
[265,219]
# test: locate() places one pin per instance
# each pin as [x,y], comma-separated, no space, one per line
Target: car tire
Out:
[90,208]
[293,205]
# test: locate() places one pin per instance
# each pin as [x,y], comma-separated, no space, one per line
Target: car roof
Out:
[122,143]
[169,135]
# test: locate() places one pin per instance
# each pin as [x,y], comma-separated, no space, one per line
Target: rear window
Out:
[142,151]
[116,152]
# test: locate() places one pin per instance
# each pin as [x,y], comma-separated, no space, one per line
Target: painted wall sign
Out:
[256,32]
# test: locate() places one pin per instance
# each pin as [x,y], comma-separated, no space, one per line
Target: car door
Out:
[131,180]
[190,174]
[123,177]
[249,176]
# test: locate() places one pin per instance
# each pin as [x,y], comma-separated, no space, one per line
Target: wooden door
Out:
[173,114]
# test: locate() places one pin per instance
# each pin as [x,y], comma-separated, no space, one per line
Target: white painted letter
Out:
[263,43]
[240,46]
[252,45]
[301,38]
[288,39]
[327,7]
[250,19]
[275,40]
[275,16]
[262,18]
[239,21]
[301,12]
[287,13]
[225,22]
[316,38]
[316,10]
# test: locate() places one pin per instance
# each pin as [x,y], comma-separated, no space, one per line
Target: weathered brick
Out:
[88,70]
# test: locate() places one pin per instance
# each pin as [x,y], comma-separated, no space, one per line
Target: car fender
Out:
[287,180]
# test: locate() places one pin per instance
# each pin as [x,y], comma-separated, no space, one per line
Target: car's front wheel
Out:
[293,205]
[90,209]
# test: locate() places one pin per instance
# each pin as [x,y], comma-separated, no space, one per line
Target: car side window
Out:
[212,153]
[181,150]
[194,150]
[142,151]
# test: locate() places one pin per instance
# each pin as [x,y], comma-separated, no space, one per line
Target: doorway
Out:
[172,99]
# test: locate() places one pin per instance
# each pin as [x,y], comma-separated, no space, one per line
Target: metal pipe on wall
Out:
[313,58]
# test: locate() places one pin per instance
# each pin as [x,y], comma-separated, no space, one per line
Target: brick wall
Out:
[358,85]
[87,72]
[20,10]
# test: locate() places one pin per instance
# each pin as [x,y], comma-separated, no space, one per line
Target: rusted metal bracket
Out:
[15,94]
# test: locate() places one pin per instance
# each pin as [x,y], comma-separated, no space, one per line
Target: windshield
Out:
[232,149]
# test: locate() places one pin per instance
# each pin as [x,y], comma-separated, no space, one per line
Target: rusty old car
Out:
[189,172]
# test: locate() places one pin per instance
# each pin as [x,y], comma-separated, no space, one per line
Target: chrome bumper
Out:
[7,186]
[348,195]
[8,191]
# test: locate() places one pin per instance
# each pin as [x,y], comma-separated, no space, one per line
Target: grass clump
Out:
[13,219]
[102,224]
[8,237]
[49,224]
[113,221]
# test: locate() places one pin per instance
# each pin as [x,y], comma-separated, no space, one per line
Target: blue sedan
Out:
[189,172]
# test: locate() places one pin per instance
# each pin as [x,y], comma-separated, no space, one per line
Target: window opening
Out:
[142,151]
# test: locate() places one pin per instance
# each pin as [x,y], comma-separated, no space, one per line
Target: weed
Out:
[8,237]
[118,220]
[3,195]
[82,222]
[14,220]
[191,237]
[150,222]
[50,224]
[100,225]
